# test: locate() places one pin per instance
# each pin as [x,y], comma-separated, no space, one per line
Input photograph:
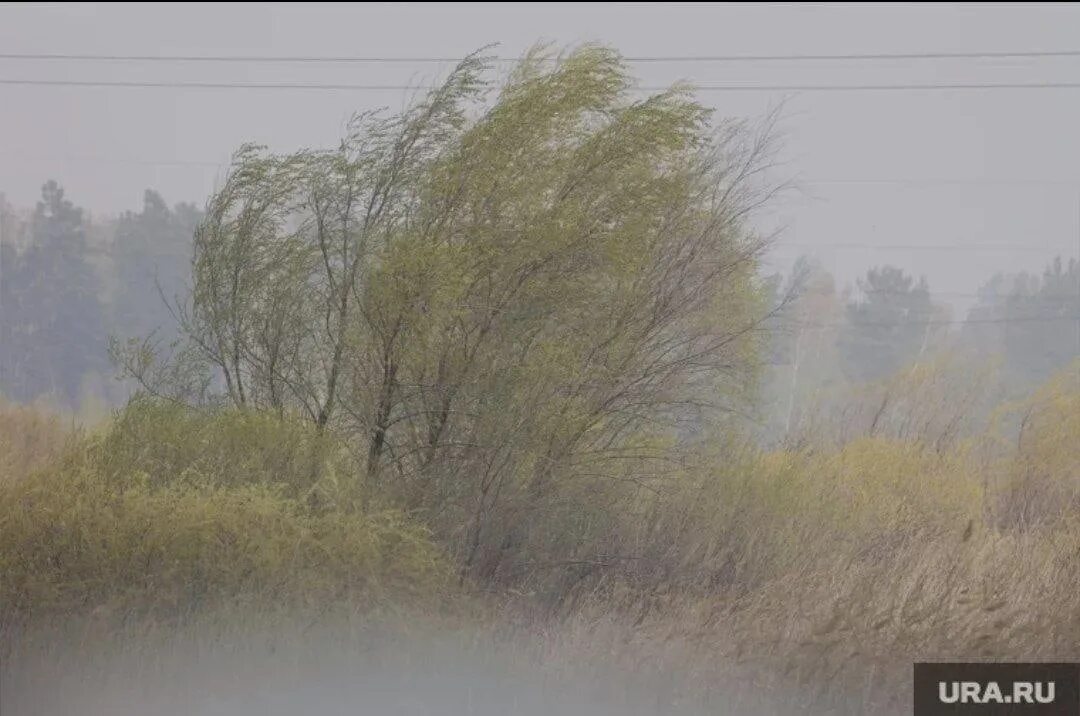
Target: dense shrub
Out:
[164,443]
[166,511]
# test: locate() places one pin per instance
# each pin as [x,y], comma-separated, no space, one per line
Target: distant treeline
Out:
[828,340]
[69,282]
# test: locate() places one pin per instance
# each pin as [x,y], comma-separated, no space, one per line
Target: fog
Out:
[334,667]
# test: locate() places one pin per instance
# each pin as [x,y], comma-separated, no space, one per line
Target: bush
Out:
[164,443]
[1040,477]
[166,512]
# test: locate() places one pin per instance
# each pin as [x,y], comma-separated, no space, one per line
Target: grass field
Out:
[166,558]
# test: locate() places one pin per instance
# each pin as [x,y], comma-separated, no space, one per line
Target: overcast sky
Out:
[962,171]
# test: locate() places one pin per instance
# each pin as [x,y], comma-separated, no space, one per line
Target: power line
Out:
[644,88]
[941,322]
[854,246]
[343,59]
[892,292]
[215,85]
[105,250]
[932,181]
[926,247]
[939,182]
[888,292]
[119,160]
[929,182]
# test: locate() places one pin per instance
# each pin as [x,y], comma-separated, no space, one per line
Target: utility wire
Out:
[122,160]
[937,182]
[983,86]
[942,322]
[797,182]
[341,59]
[923,247]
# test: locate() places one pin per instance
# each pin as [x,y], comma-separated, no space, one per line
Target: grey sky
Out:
[958,168]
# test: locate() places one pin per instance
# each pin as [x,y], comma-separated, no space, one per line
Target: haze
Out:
[879,170]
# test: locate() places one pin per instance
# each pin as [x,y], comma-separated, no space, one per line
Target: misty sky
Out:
[881,169]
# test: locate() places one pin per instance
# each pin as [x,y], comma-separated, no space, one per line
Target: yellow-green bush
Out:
[167,511]
[166,443]
[1039,478]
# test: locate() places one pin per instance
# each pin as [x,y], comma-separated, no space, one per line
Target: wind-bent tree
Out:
[509,298]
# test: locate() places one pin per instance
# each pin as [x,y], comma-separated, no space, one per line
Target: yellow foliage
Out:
[186,520]
[892,484]
[1041,476]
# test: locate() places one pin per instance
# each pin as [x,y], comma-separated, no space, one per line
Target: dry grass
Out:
[827,572]
[797,581]
[30,439]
